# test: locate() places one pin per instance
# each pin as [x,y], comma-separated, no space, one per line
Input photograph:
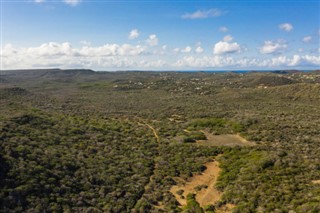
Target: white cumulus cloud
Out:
[199,50]
[126,56]
[152,40]
[54,49]
[223,61]
[64,55]
[295,60]
[312,59]
[51,49]
[270,47]
[176,50]
[39,1]
[204,62]
[227,38]
[187,49]
[133,34]
[112,50]
[201,14]
[307,39]
[223,47]
[286,27]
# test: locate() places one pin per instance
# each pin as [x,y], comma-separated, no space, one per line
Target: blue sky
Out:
[160,35]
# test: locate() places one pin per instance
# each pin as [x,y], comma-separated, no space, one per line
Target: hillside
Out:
[85,141]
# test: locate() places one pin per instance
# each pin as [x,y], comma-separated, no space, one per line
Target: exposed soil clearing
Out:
[316,181]
[224,140]
[205,196]
[208,195]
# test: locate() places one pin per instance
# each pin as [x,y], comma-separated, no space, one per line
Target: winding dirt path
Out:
[154,132]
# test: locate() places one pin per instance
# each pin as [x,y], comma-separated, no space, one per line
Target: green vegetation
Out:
[259,179]
[59,163]
[191,137]
[216,125]
[200,187]
[209,208]
[180,192]
[192,205]
[80,141]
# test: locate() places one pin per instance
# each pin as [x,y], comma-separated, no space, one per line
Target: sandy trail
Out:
[154,132]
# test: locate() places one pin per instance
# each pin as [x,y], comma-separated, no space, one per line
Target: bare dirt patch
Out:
[224,140]
[316,181]
[208,193]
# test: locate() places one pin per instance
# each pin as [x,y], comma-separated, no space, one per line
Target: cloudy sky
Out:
[160,35]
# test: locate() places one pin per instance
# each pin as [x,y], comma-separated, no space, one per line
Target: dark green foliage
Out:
[193,136]
[209,123]
[180,192]
[77,164]
[197,135]
[209,208]
[73,163]
[216,125]
[256,179]
[192,205]
[76,141]
[189,140]
[200,187]
[184,159]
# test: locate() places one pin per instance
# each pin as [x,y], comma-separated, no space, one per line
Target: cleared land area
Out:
[206,181]
[316,181]
[224,140]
